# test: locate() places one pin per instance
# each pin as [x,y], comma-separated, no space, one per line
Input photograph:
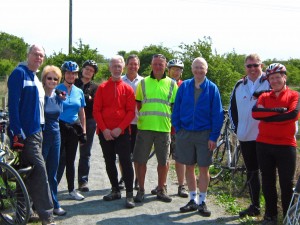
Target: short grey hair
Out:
[117,57]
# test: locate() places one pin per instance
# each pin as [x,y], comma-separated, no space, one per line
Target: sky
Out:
[269,28]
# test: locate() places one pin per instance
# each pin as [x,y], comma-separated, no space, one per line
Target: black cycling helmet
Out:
[91,63]
[175,62]
[69,66]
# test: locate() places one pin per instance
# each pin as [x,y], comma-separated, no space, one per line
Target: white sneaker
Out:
[76,196]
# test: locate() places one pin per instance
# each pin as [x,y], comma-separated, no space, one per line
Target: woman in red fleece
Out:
[276,142]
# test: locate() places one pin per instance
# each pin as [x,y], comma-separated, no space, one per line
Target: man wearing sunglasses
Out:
[246,128]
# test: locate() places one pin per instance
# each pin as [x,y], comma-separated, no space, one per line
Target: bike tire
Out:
[15,203]
[152,153]
[293,213]
[238,172]
[219,161]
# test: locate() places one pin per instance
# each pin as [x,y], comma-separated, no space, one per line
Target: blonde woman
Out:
[51,77]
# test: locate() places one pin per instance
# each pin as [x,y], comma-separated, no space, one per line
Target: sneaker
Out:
[269,220]
[113,195]
[121,184]
[250,211]
[83,187]
[34,217]
[76,196]
[59,212]
[182,192]
[191,206]
[202,208]
[49,221]
[136,184]
[163,196]
[129,203]
[139,196]
[154,191]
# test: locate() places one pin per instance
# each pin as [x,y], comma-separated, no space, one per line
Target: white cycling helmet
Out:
[175,62]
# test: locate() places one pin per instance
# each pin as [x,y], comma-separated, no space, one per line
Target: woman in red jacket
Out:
[276,141]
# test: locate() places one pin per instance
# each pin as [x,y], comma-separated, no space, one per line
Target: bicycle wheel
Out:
[152,152]
[238,171]
[219,162]
[293,214]
[14,204]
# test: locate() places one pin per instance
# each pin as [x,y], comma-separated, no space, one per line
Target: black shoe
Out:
[154,191]
[163,195]
[191,206]
[202,208]
[113,195]
[269,220]
[121,184]
[250,211]
[83,187]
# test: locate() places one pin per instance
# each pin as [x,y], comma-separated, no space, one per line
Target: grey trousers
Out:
[37,183]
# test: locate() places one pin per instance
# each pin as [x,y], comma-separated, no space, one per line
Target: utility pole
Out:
[70,26]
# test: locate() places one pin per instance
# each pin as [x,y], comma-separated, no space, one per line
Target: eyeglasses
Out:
[52,78]
[252,65]
[159,56]
[89,69]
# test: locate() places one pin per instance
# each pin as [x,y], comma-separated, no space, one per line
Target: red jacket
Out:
[277,128]
[114,105]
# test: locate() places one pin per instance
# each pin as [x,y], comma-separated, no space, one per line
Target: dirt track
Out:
[94,210]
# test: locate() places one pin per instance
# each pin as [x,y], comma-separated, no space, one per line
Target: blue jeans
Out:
[37,183]
[51,151]
[85,152]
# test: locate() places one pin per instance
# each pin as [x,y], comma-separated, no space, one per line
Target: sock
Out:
[193,196]
[202,197]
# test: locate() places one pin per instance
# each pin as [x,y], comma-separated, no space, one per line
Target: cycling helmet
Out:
[69,66]
[91,63]
[175,62]
[275,68]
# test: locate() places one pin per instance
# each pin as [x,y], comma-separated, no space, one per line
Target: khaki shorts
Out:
[192,148]
[145,139]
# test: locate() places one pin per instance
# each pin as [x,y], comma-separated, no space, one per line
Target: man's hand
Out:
[18,142]
[212,145]
[116,132]
[107,135]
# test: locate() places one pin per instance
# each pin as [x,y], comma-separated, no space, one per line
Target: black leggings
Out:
[250,158]
[283,158]
[120,146]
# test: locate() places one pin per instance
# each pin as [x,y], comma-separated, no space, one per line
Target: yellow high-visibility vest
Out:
[156,97]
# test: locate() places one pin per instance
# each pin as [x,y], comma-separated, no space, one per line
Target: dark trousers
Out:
[283,158]
[120,146]
[37,183]
[250,158]
[68,149]
[85,152]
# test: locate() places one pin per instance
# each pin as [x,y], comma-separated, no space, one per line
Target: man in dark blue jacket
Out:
[26,116]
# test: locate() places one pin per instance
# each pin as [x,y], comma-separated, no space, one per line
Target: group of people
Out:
[132,114]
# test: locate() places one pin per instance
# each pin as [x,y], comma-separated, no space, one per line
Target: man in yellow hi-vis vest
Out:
[154,96]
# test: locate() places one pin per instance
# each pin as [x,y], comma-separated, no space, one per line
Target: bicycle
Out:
[14,199]
[293,213]
[228,165]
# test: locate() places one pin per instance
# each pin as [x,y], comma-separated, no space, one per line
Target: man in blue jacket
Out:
[197,117]
[26,116]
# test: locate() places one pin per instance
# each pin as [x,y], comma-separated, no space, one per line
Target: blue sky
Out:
[269,28]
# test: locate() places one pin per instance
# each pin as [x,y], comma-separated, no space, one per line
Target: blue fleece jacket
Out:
[23,102]
[206,114]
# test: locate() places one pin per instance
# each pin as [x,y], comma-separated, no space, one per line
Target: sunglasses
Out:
[252,65]
[159,56]
[52,78]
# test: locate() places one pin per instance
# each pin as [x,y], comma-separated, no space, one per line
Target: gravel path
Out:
[94,210]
